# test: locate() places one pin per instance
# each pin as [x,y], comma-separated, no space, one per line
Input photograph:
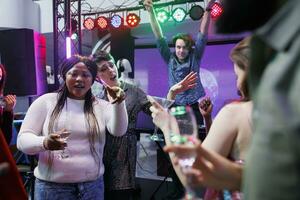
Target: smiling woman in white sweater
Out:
[71,168]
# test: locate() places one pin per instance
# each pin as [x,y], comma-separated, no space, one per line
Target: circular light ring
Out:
[102,22]
[89,23]
[196,12]
[216,10]
[162,15]
[132,20]
[178,14]
[116,21]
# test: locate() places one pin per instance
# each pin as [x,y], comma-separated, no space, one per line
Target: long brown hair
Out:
[240,55]
[90,118]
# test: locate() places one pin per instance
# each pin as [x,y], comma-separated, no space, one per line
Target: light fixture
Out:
[216,10]
[178,14]
[74,36]
[132,20]
[116,21]
[68,47]
[89,23]
[102,22]
[196,12]
[162,15]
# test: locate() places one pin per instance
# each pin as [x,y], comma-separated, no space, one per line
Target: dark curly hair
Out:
[102,55]
[187,38]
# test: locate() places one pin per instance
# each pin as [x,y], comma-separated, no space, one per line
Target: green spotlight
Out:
[162,15]
[178,14]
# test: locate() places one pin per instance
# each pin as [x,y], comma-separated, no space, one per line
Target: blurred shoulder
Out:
[130,87]
[47,97]
[237,108]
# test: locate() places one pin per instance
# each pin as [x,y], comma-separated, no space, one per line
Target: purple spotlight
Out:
[116,21]
[68,47]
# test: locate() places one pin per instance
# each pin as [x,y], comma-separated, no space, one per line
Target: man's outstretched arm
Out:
[205,21]
[153,20]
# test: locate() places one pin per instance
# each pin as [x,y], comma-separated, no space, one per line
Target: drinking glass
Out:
[2,102]
[165,103]
[65,130]
[63,154]
[183,131]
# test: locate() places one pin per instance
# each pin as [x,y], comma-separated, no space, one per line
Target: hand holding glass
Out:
[165,103]
[64,134]
[183,131]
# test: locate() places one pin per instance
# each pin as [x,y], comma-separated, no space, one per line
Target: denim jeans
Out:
[91,190]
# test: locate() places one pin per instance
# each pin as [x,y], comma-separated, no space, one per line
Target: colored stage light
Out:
[74,36]
[102,22]
[162,15]
[68,47]
[116,21]
[216,10]
[178,14]
[133,20]
[89,23]
[196,12]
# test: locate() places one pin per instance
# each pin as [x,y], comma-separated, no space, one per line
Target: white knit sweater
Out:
[80,166]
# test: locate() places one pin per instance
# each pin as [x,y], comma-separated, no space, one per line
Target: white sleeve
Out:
[118,120]
[30,138]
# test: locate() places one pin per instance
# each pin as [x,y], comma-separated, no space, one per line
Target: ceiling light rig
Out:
[164,13]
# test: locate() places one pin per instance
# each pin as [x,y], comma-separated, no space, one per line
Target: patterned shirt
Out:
[120,152]
[177,71]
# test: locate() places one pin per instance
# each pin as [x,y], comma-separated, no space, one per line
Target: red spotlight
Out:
[216,10]
[133,20]
[89,23]
[102,22]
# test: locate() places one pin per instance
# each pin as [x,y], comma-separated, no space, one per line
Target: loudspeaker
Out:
[120,42]
[122,46]
[23,52]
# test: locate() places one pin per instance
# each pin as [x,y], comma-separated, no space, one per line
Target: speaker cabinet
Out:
[120,43]
[23,52]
